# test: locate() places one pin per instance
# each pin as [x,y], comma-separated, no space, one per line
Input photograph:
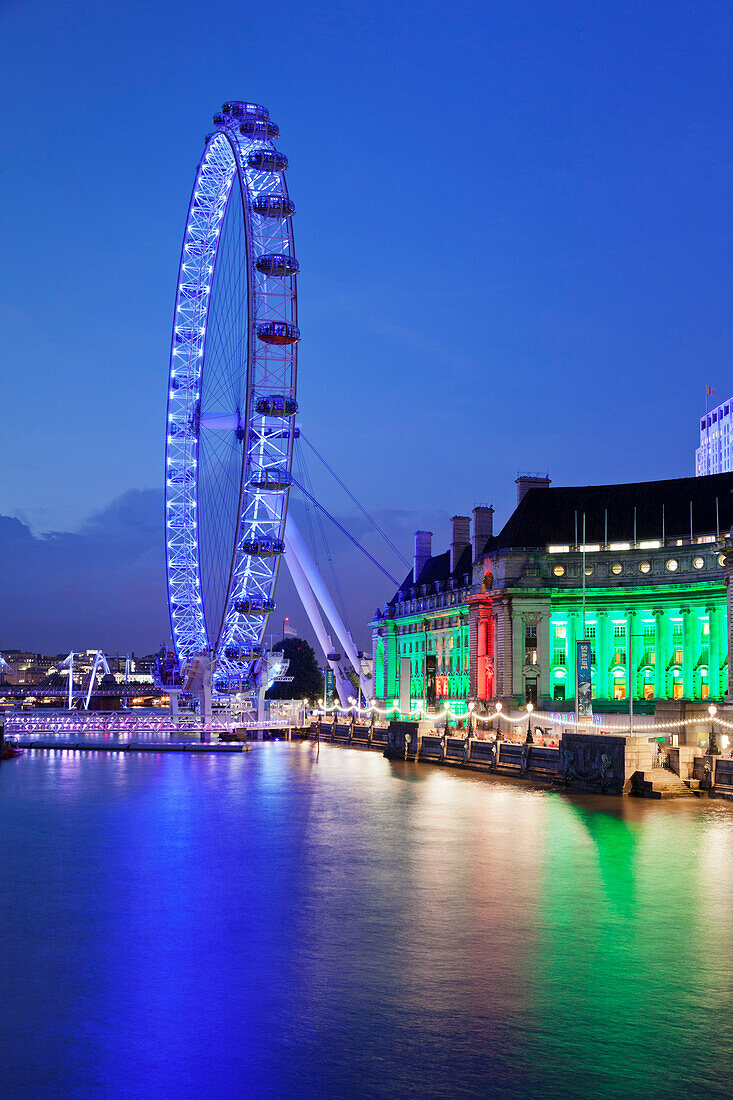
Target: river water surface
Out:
[287,923]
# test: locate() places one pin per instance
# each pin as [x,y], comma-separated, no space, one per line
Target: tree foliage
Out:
[307,679]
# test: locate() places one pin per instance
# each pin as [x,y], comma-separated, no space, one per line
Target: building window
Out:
[560,632]
[644,566]
[672,565]
[530,644]
[617,568]
[619,630]
[558,657]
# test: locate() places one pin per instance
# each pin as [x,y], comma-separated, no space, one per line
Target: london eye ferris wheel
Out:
[231,398]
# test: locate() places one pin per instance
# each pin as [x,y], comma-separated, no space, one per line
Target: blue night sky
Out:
[514,229]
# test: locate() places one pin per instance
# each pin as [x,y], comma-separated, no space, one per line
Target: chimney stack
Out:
[525,482]
[460,540]
[483,528]
[422,553]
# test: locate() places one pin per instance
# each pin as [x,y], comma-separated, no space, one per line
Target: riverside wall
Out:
[597,762]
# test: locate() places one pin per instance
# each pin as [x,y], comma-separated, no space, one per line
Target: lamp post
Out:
[530,708]
[713,749]
[498,721]
[470,718]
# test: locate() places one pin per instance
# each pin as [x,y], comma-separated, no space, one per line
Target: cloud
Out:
[104,585]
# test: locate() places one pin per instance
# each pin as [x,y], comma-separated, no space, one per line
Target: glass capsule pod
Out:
[276,404]
[267,160]
[243,652]
[264,547]
[254,605]
[275,263]
[239,109]
[273,206]
[278,332]
[256,128]
[272,479]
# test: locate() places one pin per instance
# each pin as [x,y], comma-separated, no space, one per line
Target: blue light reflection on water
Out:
[284,924]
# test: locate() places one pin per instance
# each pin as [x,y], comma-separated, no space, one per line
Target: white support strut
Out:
[295,548]
[300,580]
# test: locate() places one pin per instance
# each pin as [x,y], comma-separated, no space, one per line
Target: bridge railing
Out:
[131,724]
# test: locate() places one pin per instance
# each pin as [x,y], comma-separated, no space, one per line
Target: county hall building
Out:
[496,616]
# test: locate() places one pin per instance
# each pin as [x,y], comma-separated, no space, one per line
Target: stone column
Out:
[660,656]
[713,652]
[509,642]
[572,632]
[602,657]
[517,652]
[688,655]
[543,653]
[632,653]
[727,548]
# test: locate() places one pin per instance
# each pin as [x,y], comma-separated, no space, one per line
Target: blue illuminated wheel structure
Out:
[231,399]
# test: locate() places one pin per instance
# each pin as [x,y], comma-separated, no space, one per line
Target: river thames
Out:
[287,923]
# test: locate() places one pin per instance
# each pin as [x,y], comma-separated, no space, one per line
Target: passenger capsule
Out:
[220,120]
[243,652]
[271,479]
[273,206]
[254,605]
[267,160]
[278,332]
[276,404]
[238,109]
[254,128]
[333,656]
[275,263]
[264,547]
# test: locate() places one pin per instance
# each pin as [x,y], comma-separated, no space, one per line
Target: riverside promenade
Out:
[606,763]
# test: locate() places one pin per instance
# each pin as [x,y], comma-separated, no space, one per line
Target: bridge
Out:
[131,725]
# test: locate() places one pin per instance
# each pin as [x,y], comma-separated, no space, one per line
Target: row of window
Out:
[671,565]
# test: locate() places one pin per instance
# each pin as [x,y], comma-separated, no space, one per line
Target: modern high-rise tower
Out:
[714,455]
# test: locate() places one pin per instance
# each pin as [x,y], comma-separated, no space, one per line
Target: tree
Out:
[307,680]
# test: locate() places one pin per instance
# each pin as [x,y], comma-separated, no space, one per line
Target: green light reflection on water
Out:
[631,977]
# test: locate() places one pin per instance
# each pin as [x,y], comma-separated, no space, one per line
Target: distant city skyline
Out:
[514,232]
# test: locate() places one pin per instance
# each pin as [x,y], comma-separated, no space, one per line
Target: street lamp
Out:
[470,718]
[497,707]
[530,708]
[713,749]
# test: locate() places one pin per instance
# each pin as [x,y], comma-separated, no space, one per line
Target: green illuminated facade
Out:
[497,618]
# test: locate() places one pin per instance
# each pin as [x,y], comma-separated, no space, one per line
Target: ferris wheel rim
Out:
[272,335]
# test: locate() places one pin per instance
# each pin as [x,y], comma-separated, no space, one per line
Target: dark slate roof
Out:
[547,516]
[437,571]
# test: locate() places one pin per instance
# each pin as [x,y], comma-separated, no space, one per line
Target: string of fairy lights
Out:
[499,715]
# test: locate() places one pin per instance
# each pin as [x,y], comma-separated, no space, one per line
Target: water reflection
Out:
[293,923]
